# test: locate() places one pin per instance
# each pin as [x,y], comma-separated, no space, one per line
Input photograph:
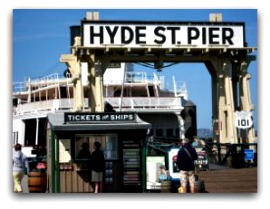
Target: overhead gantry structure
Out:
[220,46]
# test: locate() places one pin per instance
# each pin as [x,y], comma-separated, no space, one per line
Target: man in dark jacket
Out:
[185,162]
[98,167]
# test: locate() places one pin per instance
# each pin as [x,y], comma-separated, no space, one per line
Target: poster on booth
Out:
[173,169]
[153,164]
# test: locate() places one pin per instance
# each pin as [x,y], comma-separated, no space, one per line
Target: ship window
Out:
[169,132]
[15,102]
[109,144]
[30,132]
[63,92]
[159,132]
[33,128]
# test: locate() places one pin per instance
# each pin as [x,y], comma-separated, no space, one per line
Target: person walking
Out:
[20,167]
[98,167]
[185,162]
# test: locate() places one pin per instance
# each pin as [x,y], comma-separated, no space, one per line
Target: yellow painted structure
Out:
[228,68]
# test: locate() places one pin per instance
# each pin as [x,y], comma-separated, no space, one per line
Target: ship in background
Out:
[162,103]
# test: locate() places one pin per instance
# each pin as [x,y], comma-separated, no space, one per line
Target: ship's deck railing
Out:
[39,83]
[52,80]
[131,103]
[47,105]
[133,77]
[145,102]
[143,78]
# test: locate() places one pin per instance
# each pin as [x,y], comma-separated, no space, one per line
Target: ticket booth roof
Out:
[57,122]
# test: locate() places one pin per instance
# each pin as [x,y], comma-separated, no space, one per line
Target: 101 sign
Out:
[243,119]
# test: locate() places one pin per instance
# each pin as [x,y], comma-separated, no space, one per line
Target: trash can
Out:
[37,181]
[37,178]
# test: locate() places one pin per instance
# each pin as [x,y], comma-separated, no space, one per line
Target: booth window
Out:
[109,144]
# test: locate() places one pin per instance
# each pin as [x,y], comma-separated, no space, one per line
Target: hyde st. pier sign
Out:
[99,34]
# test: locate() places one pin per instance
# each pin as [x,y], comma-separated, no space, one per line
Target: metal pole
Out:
[53,160]
[57,169]
[37,127]
[122,89]
[144,165]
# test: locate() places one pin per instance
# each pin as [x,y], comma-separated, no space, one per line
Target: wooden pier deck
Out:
[230,180]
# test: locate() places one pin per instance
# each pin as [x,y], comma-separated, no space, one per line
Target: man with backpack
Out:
[185,162]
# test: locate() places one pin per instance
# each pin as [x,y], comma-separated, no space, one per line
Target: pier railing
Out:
[233,155]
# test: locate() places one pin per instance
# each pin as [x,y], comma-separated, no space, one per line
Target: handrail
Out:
[40,83]
[127,103]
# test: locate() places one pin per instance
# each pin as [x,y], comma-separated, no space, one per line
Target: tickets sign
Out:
[98,117]
[100,34]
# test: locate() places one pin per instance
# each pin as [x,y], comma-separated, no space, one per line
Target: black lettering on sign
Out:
[97,34]
[213,35]
[173,33]
[193,33]
[158,32]
[111,33]
[127,35]
[97,117]
[243,122]
[227,35]
[140,34]
[203,35]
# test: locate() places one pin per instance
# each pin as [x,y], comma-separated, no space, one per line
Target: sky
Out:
[40,36]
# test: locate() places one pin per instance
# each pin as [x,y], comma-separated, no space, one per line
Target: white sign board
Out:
[173,168]
[153,164]
[243,119]
[164,35]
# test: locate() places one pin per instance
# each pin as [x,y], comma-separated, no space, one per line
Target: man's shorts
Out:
[96,176]
[187,177]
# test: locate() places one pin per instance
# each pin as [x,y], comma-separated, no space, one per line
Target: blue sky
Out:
[40,36]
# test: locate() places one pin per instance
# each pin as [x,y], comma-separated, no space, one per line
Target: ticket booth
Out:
[122,136]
